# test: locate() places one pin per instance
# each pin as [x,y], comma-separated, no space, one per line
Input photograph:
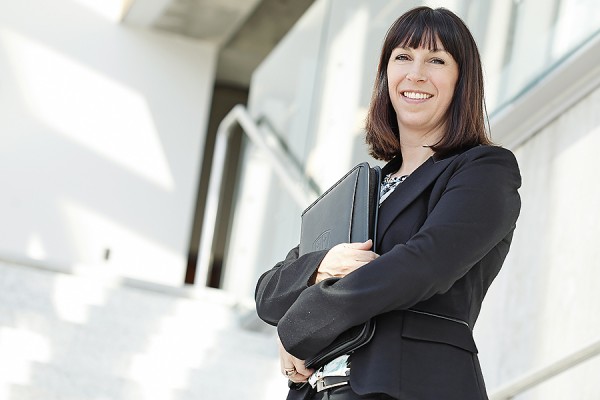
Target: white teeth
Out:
[417,96]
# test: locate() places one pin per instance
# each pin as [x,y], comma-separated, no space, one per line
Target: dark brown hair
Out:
[465,123]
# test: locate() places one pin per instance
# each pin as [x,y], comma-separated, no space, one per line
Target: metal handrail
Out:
[293,179]
[538,376]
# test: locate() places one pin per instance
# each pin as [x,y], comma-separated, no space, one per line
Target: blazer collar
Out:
[410,189]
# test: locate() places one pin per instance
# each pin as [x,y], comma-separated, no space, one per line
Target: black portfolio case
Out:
[346,212]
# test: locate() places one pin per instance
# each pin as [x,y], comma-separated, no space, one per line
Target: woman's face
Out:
[421,84]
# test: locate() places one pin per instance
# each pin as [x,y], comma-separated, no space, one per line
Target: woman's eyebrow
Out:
[438,50]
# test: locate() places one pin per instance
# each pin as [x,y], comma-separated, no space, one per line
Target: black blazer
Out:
[443,236]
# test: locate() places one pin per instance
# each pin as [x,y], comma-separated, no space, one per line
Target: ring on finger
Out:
[289,371]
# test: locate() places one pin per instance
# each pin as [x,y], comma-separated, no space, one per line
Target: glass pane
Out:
[534,36]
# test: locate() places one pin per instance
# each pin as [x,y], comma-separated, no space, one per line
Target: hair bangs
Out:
[429,29]
[419,36]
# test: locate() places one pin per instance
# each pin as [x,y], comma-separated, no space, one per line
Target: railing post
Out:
[211,207]
[293,180]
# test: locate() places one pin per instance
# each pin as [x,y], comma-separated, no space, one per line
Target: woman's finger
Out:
[301,368]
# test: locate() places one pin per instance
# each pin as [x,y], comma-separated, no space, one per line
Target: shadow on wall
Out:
[95,162]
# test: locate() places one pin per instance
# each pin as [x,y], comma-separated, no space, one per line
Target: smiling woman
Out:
[445,44]
[421,85]
[447,214]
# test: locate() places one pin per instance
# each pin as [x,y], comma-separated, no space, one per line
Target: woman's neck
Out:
[415,149]
[413,155]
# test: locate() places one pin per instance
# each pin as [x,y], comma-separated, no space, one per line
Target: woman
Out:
[448,211]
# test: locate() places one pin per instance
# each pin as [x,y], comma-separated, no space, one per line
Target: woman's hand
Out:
[293,368]
[345,258]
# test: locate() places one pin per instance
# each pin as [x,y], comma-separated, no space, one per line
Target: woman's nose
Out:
[416,74]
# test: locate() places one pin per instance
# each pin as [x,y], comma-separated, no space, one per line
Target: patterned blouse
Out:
[388,185]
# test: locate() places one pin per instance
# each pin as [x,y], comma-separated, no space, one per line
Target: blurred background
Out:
[155,156]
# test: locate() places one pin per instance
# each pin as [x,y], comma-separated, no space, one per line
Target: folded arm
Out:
[477,211]
[278,288]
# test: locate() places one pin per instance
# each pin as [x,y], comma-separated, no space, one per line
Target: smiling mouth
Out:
[417,95]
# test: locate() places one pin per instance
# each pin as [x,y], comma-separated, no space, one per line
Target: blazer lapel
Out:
[408,190]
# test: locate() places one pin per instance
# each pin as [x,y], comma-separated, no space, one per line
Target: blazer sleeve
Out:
[279,287]
[477,210]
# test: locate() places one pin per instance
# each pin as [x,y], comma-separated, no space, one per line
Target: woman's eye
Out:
[401,57]
[438,61]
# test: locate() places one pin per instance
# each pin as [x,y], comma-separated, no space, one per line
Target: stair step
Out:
[64,336]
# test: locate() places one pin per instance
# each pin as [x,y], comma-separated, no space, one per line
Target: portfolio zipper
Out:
[460,321]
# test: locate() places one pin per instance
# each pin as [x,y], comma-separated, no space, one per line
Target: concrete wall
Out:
[545,302]
[102,131]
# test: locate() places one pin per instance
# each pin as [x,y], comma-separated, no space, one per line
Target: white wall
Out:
[101,129]
[545,302]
